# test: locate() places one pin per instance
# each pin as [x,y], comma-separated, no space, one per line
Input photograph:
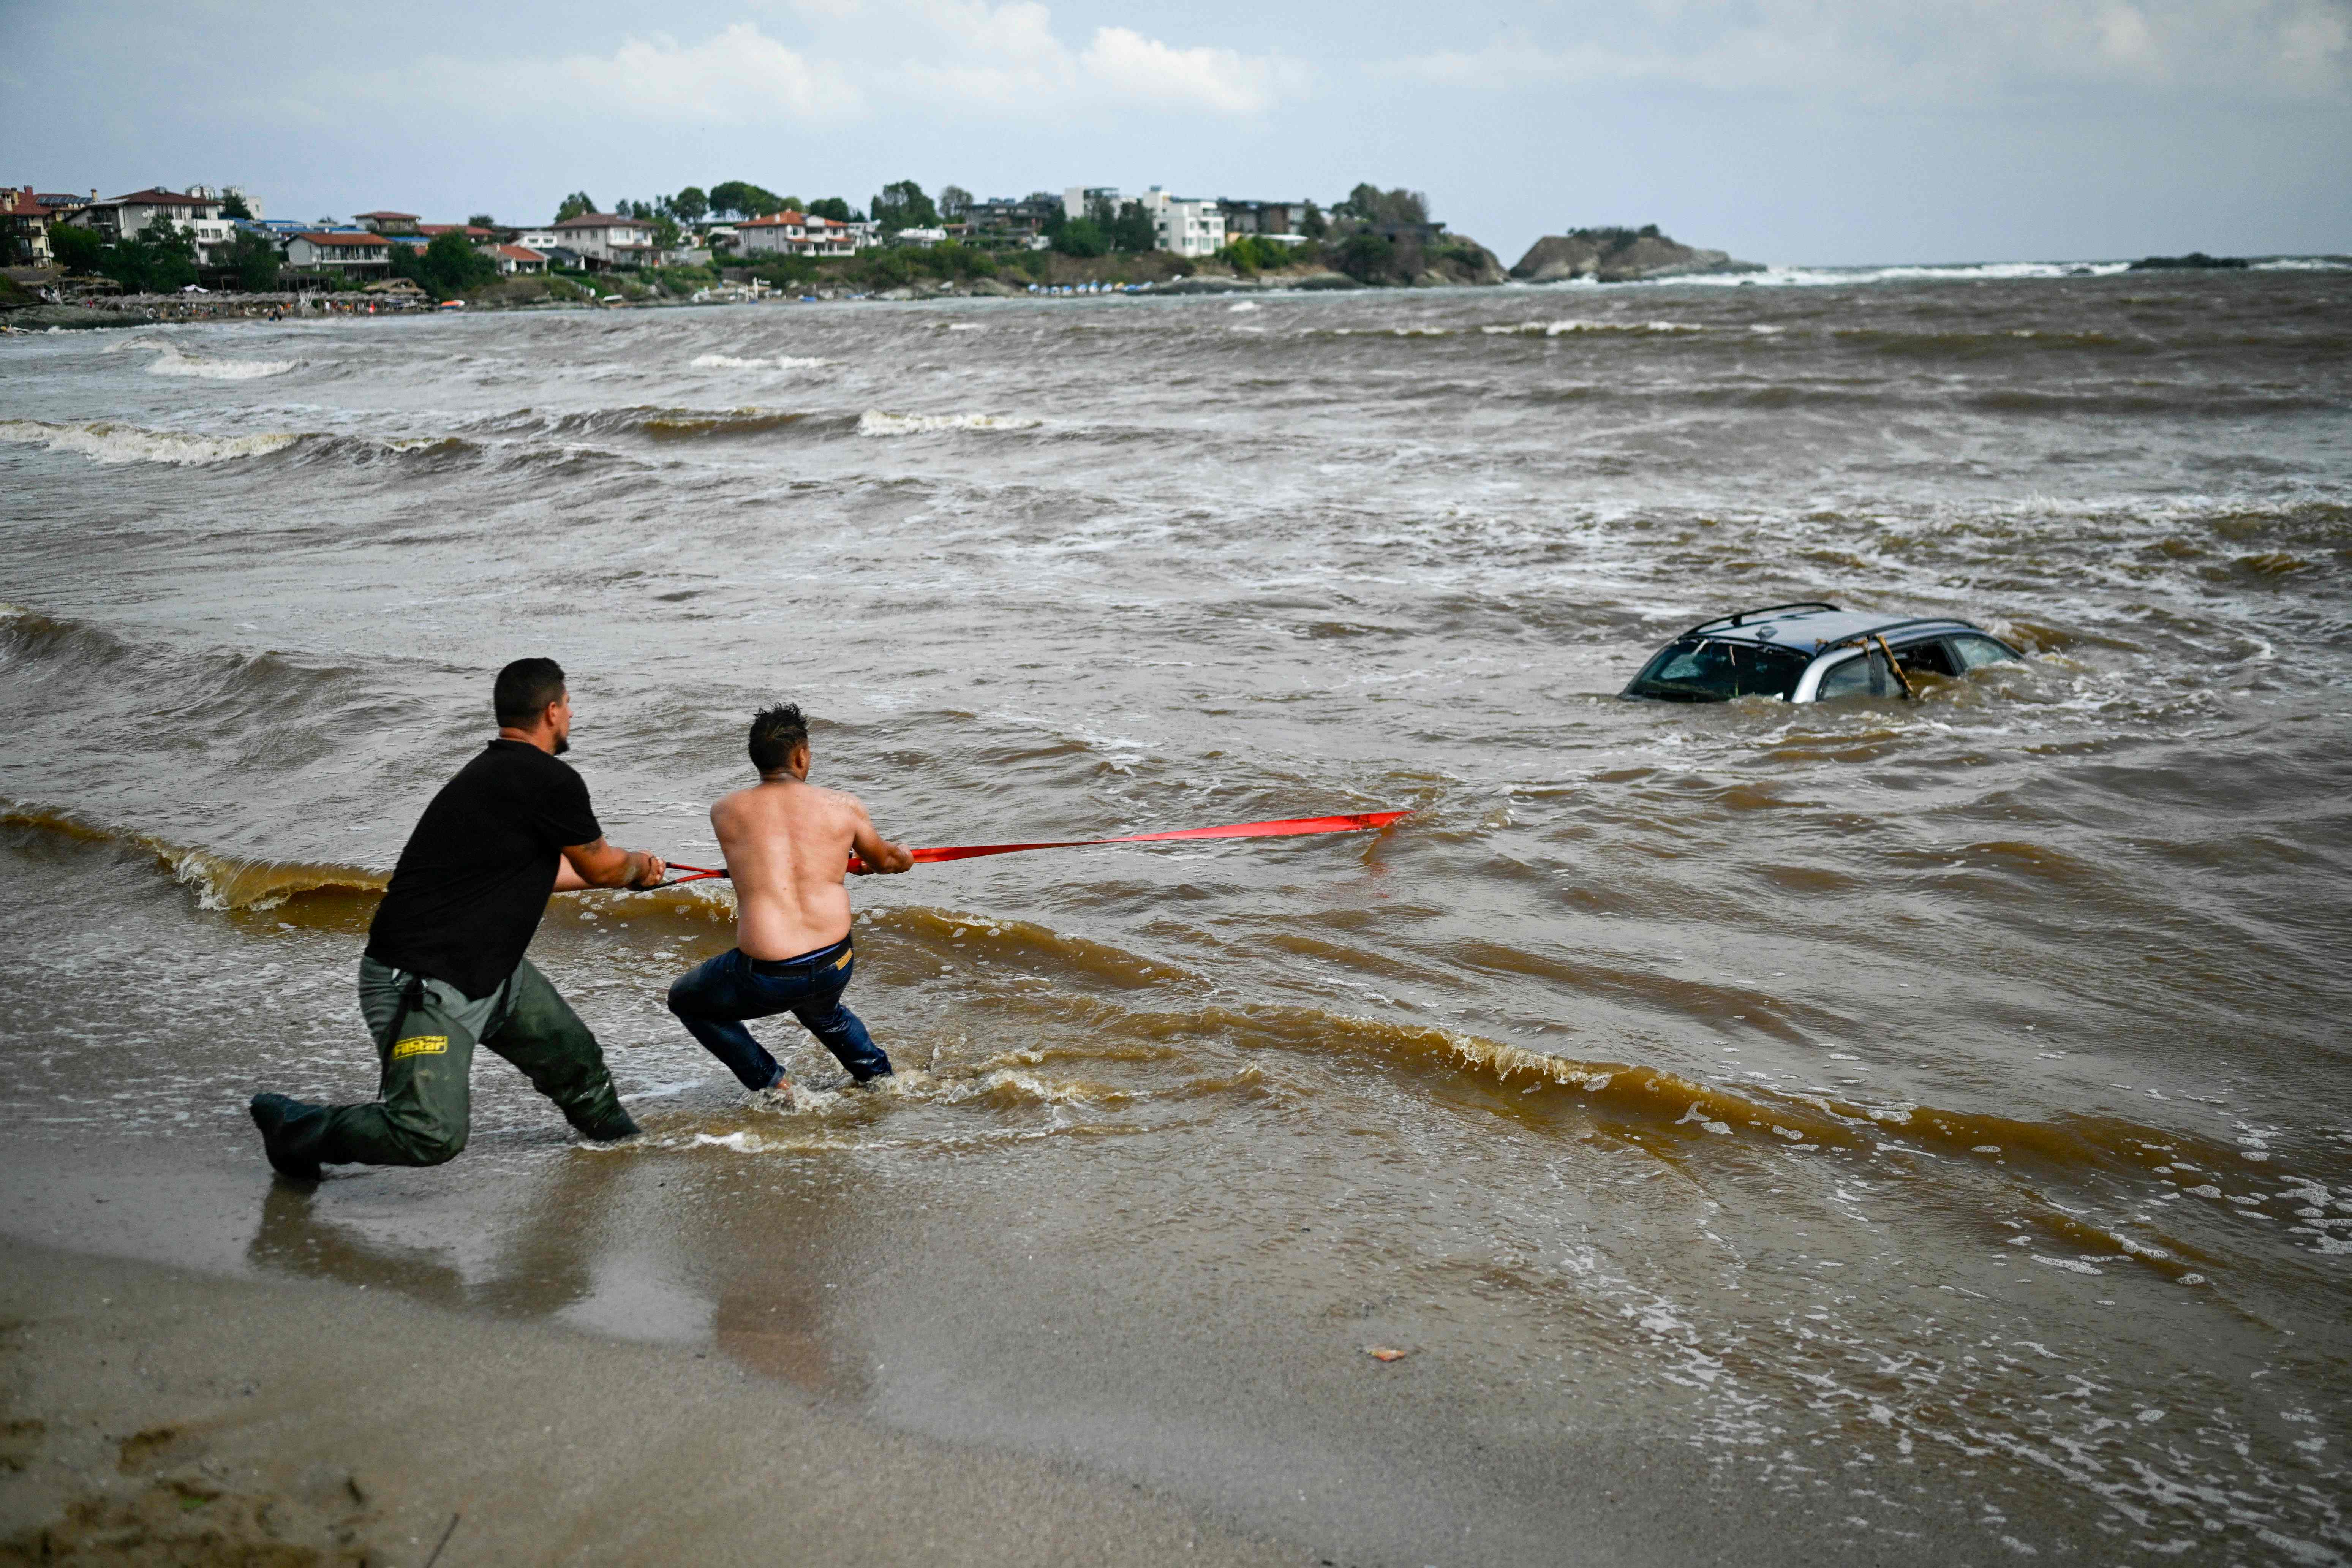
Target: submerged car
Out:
[1811,652]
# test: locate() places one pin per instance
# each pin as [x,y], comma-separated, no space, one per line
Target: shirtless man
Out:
[787,844]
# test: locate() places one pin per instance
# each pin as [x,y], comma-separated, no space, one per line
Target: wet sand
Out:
[156,1416]
[910,1379]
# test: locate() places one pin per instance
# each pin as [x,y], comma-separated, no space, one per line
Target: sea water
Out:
[1931,1120]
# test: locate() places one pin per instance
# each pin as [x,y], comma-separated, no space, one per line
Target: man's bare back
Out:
[787,844]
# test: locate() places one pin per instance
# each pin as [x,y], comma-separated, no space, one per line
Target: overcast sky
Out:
[1784,130]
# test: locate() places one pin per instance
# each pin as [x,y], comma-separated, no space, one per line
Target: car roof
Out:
[1810,626]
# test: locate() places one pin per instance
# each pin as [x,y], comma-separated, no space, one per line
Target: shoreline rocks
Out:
[1621,255]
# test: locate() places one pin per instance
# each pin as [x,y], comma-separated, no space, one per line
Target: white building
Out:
[1187,225]
[1079,198]
[605,239]
[342,254]
[122,217]
[794,233]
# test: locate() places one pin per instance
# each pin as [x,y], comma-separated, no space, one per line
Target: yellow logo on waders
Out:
[421,1046]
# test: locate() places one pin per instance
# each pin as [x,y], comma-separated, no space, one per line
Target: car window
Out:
[1929,658]
[1865,675]
[1976,652]
[1700,669]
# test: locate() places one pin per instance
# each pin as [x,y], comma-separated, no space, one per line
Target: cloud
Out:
[960,55]
[1219,81]
[1007,57]
[1941,51]
[738,76]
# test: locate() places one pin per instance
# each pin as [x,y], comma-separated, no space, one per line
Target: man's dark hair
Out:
[775,732]
[525,688]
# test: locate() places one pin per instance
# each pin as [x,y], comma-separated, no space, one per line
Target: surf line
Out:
[1288,827]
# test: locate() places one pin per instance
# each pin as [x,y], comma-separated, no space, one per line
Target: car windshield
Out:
[1701,670]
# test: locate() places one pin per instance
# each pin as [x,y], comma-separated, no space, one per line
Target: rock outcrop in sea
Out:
[2195,261]
[1620,256]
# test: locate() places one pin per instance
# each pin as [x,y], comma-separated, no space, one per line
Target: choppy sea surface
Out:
[1933,1118]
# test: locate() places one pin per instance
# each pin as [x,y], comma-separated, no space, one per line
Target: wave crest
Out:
[877,422]
[106,442]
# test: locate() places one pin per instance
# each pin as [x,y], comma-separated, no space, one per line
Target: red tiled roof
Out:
[317,239]
[603,220]
[520,253]
[22,204]
[410,217]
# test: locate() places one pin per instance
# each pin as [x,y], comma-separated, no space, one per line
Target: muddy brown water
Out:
[1916,1128]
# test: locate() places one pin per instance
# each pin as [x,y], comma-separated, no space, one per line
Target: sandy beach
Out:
[155,1415]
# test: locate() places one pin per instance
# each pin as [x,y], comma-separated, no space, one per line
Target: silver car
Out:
[1812,652]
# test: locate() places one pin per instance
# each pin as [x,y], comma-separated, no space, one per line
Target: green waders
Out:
[425,1032]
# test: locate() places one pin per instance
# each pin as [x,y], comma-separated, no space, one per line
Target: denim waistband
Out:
[833,955]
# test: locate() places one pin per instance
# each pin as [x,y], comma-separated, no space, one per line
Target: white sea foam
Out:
[1585,324]
[109,443]
[170,360]
[875,422]
[782,361]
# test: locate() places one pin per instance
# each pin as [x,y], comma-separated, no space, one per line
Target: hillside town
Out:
[205,250]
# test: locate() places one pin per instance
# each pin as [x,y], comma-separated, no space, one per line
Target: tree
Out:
[481,220]
[1314,224]
[575,206]
[451,264]
[742,199]
[902,205]
[955,203]
[690,205]
[666,232]
[233,205]
[1081,236]
[79,249]
[1370,204]
[1132,229]
[1366,258]
[157,260]
[254,258]
[834,207]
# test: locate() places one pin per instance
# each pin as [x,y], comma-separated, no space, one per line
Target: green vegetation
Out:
[445,268]
[1370,204]
[835,209]
[691,205]
[738,198]
[1255,253]
[896,267]
[902,205]
[573,205]
[157,260]
[233,205]
[254,258]
[1081,236]
[1366,258]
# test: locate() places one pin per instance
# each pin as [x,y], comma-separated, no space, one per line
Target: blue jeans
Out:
[712,1000]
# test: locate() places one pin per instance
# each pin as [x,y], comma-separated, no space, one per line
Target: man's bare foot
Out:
[777,1096]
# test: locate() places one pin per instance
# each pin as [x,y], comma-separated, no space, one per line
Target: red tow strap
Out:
[1356,822]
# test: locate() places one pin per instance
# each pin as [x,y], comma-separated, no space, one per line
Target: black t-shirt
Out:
[474,878]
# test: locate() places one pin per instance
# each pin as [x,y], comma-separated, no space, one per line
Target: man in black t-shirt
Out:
[445,969]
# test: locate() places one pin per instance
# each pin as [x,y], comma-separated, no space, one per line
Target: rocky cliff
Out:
[1619,256]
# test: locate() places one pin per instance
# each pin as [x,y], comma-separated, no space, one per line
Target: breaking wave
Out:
[106,442]
[1582,324]
[222,882]
[876,421]
[170,360]
[780,361]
